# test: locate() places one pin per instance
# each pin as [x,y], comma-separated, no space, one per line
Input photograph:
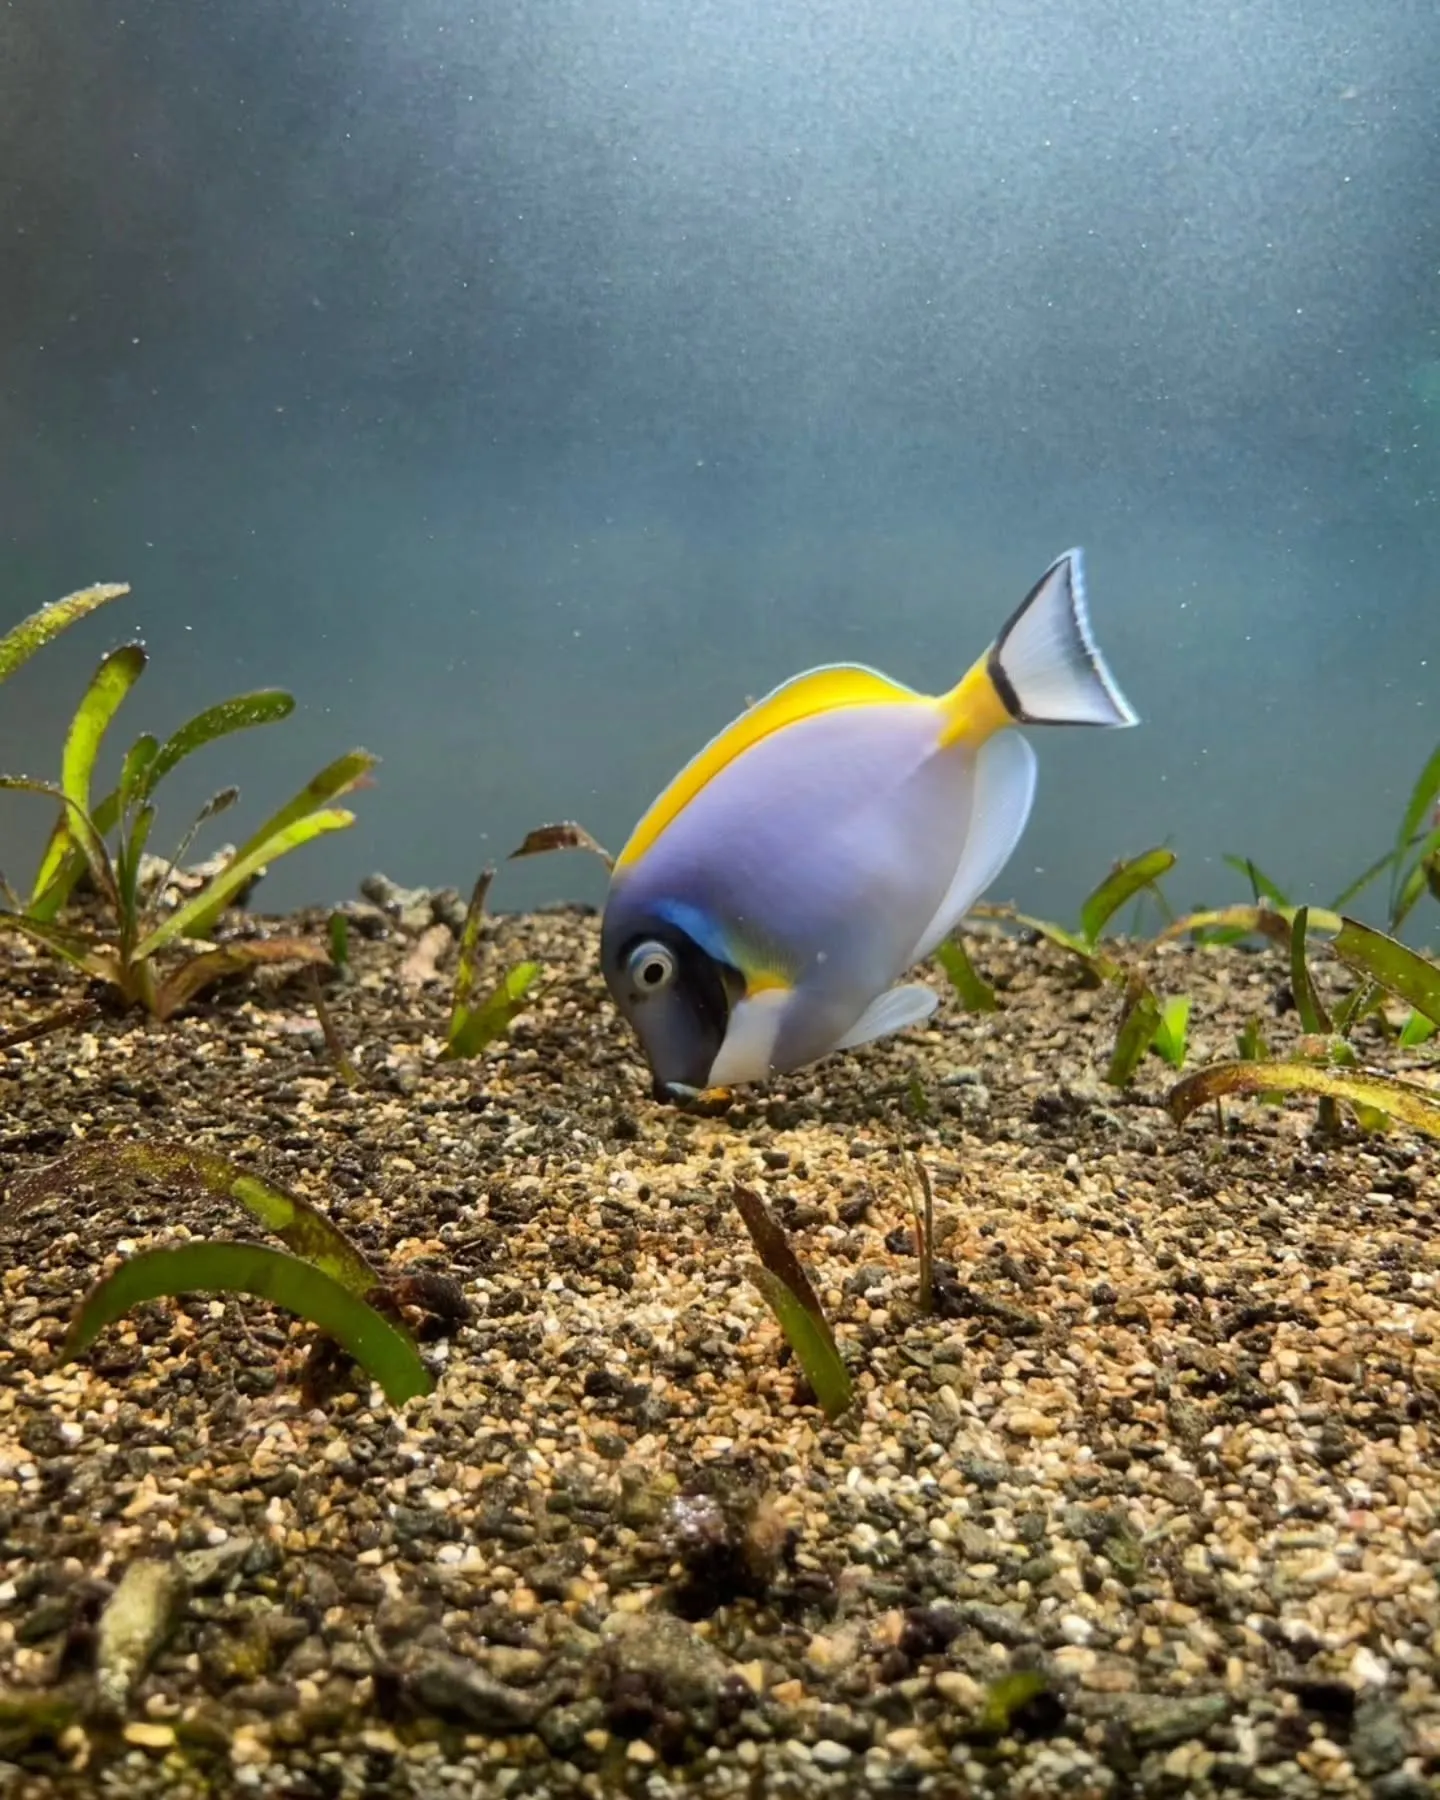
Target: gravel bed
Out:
[1150,1506]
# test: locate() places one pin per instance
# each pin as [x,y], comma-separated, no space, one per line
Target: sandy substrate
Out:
[1171,1443]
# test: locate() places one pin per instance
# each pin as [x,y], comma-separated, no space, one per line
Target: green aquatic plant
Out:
[1148,1023]
[107,840]
[1126,881]
[21,642]
[1261,886]
[1172,1034]
[973,991]
[474,1025]
[321,1277]
[790,1295]
[1011,1701]
[1325,1062]
[1393,966]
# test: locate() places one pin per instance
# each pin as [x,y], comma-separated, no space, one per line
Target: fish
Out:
[829,840]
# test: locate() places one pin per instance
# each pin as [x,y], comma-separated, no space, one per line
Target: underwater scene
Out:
[719,900]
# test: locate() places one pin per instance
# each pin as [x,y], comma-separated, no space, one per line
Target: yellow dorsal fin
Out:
[821,690]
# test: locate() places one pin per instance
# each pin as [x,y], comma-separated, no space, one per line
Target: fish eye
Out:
[652,967]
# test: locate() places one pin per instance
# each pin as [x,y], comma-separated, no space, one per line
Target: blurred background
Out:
[525,385]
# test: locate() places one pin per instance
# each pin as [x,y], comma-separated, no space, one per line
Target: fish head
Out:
[675,993]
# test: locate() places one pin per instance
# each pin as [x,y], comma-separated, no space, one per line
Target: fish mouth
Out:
[680,1093]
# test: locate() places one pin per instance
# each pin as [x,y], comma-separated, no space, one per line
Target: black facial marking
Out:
[708,985]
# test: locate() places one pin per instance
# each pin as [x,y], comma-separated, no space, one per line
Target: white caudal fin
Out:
[1045,664]
[1004,789]
[893,1011]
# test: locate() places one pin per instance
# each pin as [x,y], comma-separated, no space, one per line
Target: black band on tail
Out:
[1003,685]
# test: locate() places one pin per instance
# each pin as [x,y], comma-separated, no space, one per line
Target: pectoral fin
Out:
[893,1011]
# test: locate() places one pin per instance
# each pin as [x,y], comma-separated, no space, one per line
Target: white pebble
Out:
[829,1754]
[1076,1630]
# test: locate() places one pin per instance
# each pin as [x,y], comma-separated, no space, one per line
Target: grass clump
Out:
[134,951]
[1146,1021]
[321,1276]
[1325,1062]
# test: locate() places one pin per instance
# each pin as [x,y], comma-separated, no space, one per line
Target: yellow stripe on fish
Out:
[971,711]
[818,691]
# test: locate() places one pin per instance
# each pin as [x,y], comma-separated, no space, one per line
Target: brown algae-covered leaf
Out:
[773,1248]
[1394,965]
[334,1044]
[21,642]
[1408,1101]
[383,1350]
[566,835]
[1251,921]
[78,1012]
[792,1298]
[191,1172]
[202,971]
[922,1209]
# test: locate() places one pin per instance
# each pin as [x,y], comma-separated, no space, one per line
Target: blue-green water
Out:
[526,386]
